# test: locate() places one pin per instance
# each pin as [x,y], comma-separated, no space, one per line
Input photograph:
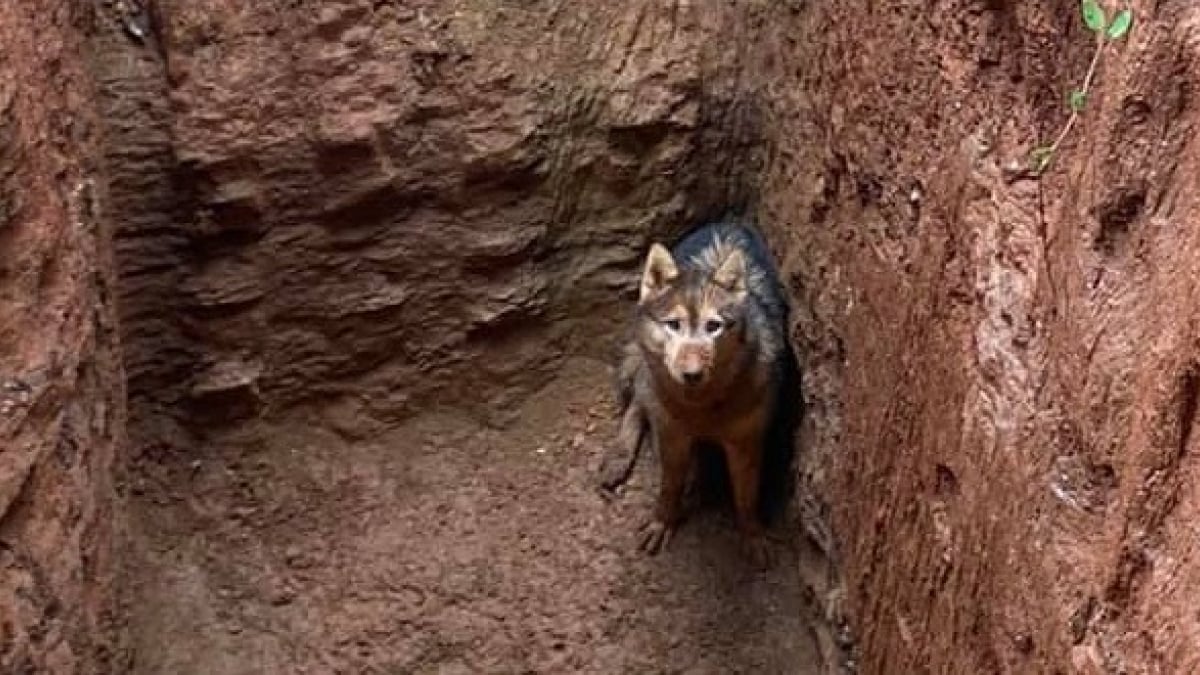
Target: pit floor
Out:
[444,546]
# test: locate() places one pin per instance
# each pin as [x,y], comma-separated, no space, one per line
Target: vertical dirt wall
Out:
[330,199]
[1002,371]
[61,389]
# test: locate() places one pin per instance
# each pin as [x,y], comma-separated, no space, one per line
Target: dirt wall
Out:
[360,195]
[61,390]
[1001,369]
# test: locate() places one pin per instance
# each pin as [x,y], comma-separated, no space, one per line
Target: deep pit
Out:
[307,308]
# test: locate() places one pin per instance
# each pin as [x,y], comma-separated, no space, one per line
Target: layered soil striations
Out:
[379,207]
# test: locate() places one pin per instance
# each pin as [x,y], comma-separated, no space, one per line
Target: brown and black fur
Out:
[680,386]
[634,427]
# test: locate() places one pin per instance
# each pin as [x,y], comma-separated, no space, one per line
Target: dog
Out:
[707,361]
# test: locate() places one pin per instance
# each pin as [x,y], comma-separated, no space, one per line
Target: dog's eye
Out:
[672,324]
[713,326]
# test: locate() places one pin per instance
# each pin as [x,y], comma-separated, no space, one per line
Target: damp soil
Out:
[445,545]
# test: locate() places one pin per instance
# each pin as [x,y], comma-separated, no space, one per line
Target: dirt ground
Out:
[444,546]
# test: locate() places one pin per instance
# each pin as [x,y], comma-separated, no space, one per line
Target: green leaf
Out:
[1120,24]
[1093,15]
[1078,99]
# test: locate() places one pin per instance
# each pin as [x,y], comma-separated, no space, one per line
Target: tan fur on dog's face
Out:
[692,323]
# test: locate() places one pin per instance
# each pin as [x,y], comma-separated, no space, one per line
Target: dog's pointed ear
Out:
[660,270]
[731,275]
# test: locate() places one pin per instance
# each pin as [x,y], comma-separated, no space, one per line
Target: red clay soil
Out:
[367,255]
[1002,371]
[61,392]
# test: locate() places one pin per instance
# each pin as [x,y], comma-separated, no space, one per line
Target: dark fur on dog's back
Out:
[765,287]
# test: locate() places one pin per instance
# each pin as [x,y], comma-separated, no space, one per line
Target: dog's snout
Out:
[691,365]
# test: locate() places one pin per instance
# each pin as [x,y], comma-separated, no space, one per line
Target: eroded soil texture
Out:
[444,546]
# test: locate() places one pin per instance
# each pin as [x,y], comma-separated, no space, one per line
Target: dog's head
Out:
[690,318]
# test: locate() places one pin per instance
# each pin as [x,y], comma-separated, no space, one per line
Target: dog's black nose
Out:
[692,378]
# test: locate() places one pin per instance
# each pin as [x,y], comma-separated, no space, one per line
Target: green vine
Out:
[1105,31]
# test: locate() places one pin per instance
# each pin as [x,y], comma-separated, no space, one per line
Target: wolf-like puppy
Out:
[706,364]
